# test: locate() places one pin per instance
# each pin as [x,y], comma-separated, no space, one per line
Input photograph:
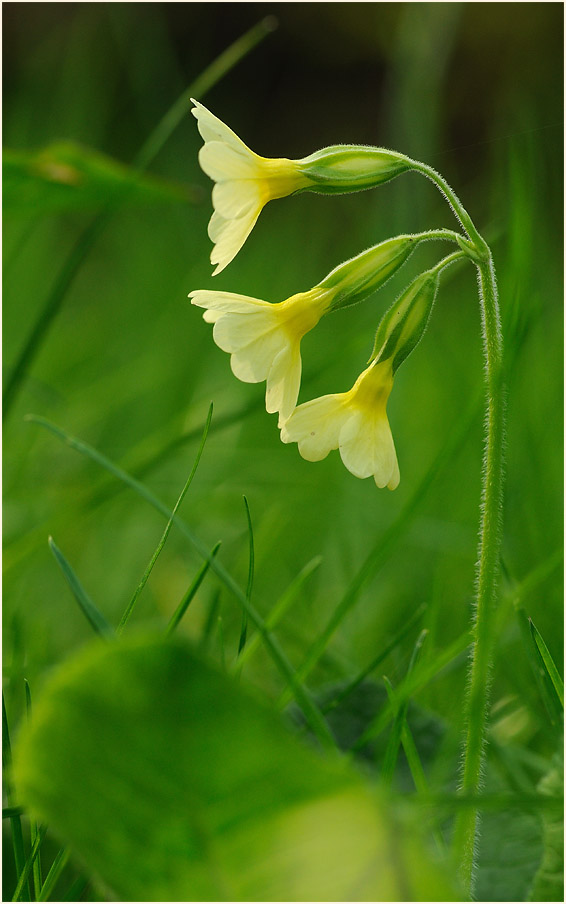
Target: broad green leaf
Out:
[65,176]
[509,853]
[173,784]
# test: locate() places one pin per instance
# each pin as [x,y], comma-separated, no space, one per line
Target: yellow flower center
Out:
[301,312]
[280,177]
[372,388]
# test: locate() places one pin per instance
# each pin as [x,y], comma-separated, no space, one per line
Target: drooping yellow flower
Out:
[264,339]
[354,422]
[245,182]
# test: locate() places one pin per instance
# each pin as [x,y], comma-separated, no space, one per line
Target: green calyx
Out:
[359,277]
[348,167]
[403,325]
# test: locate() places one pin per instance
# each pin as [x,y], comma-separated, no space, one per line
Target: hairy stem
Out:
[466,826]
[477,700]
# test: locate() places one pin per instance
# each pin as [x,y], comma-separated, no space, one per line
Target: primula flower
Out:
[354,422]
[264,339]
[245,182]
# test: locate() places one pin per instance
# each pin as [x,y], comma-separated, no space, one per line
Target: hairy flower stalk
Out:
[477,703]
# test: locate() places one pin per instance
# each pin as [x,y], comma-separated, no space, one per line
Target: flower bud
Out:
[403,325]
[357,278]
[350,167]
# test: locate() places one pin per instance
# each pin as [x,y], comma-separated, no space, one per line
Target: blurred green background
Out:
[475,90]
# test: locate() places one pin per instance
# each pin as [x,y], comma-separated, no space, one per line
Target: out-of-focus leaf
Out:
[549,880]
[66,176]
[173,784]
[509,854]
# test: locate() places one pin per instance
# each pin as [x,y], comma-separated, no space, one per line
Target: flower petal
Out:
[367,448]
[356,444]
[227,302]
[216,226]
[213,129]
[316,426]
[231,239]
[253,362]
[385,467]
[395,477]
[283,381]
[221,162]
[233,332]
[237,198]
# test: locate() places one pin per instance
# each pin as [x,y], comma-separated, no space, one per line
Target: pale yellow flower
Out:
[354,422]
[245,182]
[264,339]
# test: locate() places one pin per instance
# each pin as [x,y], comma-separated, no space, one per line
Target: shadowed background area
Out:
[128,365]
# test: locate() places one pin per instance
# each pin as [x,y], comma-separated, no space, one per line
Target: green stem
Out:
[477,700]
[454,201]
[466,825]
[447,234]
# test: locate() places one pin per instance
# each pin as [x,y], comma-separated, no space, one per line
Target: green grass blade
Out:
[413,683]
[548,662]
[15,821]
[92,613]
[244,628]
[151,147]
[210,620]
[11,812]
[520,589]
[387,541]
[220,67]
[281,607]
[220,625]
[49,311]
[301,694]
[34,829]
[415,766]
[363,674]
[77,889]
[194,586]
[392,749]
[130,608]
[543,681]
[54,874]
[24,875]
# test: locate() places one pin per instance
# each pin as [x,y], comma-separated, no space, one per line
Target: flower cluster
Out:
[264,339]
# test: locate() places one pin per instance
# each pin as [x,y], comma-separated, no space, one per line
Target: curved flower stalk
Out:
[264,339]
[245,182]
[355,422]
